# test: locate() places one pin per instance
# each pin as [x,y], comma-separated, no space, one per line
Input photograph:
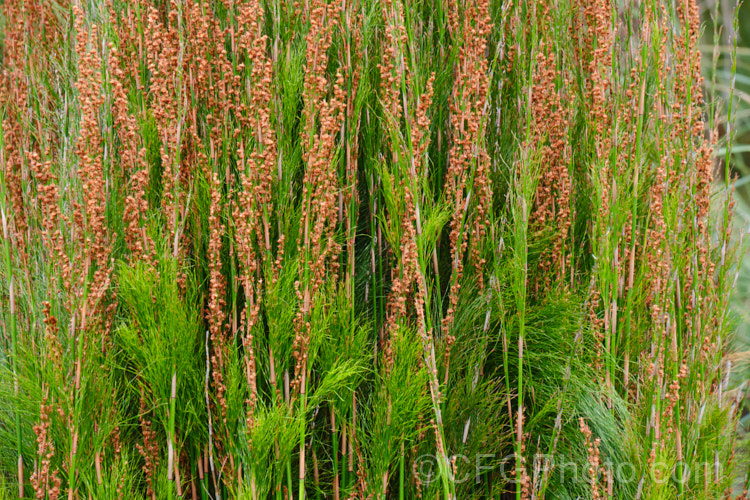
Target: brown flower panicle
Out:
[255,201]
[133,153]
[594,459]
[323,118]
[467,176]
[94,240]
[550,131]
[45,480]
[149,450]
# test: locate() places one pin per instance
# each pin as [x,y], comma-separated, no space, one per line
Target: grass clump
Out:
[379,249]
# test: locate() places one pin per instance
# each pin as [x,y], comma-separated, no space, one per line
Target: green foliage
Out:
[378,249]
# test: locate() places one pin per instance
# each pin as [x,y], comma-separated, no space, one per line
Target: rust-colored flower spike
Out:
[163,59]
[657,256]
[14,98]
[597,40]
[453,15]
[523,473]
[323,118]
[420,132]
[550,132]
[256,177]
[691,126]
[223,85]
[216,313]
[593,34]
[420,145]
[405,273]
[48,202]
[28,55]
[150,448]
[130,46]
[263,156]
[593,458]
[95,247]
[392,67]
[51,341]
[132,155]
[44,480]
[468,161]
[478,88]
[246,221]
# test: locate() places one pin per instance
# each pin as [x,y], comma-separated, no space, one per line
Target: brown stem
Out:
[335,451]
[20,476]
[193,487]
[98,466]
[178,482]
[352,429]
[210,422]
[73,452]
[316,472]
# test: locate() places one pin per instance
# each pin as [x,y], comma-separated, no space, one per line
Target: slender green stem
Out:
[12,328]
[401,473]
[302,433]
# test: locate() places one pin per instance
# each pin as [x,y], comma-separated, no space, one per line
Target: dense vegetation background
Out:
[371,249]
[719,37]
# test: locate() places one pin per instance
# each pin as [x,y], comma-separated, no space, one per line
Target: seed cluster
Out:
[266,249]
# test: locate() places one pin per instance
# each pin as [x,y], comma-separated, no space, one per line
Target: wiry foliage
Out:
[362,249]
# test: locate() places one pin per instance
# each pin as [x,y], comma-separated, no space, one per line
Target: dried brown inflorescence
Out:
[255,201]
[163,58]
[51,341]
[392,66]
[697,168]
[53,220]
[133,152]
[216,313]
[32,30]
[593,30]
[404,272]
[551,119]
[467,177]
[679,274]
[323,118]
[407,277]
[45,480]
[149,450]
[204,75]
[594,458]
[593,37]
[94,246]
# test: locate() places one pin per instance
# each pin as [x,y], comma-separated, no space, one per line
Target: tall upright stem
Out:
[302,433]
[170,433]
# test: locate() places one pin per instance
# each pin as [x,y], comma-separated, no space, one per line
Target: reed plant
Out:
[365,249]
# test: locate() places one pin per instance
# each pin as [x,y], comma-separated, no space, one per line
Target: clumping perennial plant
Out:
[364,249]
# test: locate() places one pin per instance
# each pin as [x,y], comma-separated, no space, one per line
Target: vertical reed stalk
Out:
[171,463]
